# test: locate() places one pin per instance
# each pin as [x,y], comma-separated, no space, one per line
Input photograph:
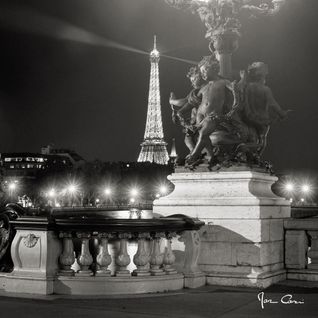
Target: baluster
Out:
[169,258]
[67,257]
[103,258]
[142,257]
[123,259]
[85,258]
[313,253]
[156,258]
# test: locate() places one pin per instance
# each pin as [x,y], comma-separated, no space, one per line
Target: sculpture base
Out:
[243,239]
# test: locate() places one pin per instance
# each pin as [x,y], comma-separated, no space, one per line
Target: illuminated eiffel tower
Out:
[153,148]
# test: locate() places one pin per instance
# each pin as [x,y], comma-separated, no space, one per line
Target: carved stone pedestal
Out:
[35,255]
[242,242]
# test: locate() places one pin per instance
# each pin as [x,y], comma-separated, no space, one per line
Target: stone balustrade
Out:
[150,257]
[301,248]
[98,256]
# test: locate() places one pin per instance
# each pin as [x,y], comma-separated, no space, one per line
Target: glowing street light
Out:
[51,193]
[12,186]
[163,189]
[289,187]
[134,192]
[132,200]
[108,191]
[72,188]
[305,188]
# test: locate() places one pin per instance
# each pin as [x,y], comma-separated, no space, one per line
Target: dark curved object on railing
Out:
[9,213]
[177,223]
[101,223]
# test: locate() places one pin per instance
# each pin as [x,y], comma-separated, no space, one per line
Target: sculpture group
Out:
[226,122]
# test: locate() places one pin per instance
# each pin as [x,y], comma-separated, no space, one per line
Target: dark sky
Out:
[93,98]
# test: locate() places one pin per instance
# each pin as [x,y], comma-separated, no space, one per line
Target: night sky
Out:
[85,95]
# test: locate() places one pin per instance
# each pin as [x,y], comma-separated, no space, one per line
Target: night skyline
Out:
[93,98]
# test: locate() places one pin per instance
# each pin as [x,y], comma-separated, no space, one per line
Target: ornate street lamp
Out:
[222,20]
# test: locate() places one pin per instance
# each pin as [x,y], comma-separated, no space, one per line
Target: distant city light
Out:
[289,187]
[302,200]
[108,191]
[12,186]
[132,200]
[134,192]
[157,195]
[52,193]
[163,189]
[305,188]
[97,200]
[72,188]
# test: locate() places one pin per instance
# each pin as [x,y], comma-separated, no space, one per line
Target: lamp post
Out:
[305,190]
[222,20]
[289,188]
[52,196]
[134,194]
[72,190]
[12,189]
[108,193]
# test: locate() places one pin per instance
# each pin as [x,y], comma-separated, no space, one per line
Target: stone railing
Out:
[147,260]
[301,248]
[98,255]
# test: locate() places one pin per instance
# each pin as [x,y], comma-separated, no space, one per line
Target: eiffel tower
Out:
[153,148]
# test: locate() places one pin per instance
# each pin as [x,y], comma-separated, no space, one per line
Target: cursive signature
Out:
[285,300]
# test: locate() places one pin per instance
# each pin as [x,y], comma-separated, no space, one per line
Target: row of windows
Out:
[19,159]
[28,166]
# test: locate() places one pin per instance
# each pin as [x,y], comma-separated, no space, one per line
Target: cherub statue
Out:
[259,107]
[187,108]
[216,101]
